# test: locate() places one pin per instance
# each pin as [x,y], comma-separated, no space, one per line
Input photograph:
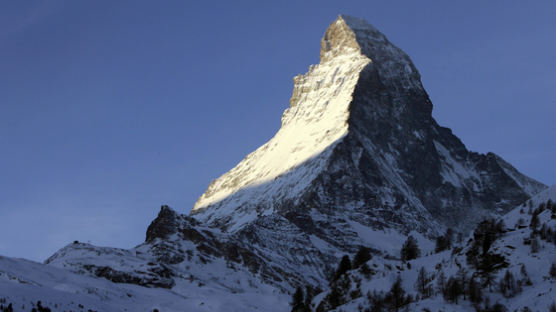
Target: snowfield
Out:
[24,282]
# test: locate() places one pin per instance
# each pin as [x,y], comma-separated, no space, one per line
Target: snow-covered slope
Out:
[532,284]
[172,252]
[23,283]
[202,281]
[185,271]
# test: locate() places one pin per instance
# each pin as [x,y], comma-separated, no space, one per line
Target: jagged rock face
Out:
[164,225]
[179,248]
[114,264]
[391,119]
[359,143]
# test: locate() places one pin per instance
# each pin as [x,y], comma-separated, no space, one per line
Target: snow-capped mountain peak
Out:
[316,119]
[359,135]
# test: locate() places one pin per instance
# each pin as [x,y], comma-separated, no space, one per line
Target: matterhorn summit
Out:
[359,144]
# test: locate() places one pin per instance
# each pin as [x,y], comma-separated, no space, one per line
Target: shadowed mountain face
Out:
[358,160]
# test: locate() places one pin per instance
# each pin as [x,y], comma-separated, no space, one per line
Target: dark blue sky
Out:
[109,109]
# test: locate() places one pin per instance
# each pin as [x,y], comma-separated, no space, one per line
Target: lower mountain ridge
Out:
[360,202]
[506,263]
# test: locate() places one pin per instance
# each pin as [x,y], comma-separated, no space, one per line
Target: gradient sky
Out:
[109,109]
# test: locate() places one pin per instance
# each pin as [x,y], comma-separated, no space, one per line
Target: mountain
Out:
[358,157]
[359,142]
[358,161]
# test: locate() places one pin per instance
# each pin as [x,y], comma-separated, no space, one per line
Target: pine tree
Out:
[410,249]
[535,245]
[489,279]
[497,307]
[508,285]
[479,255]
[334,297]
[366,271]
[534,221]
[474,291]
[422,285]
[298,301]
[540,208]
[444,242]
[461,276]
[441,283]
[543,232]
[441,244]
[525,280]
[552,206]
[343,267]
[396,297]
[376,300]
[361,257]
[452,290]
[309,294]
[339,288]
